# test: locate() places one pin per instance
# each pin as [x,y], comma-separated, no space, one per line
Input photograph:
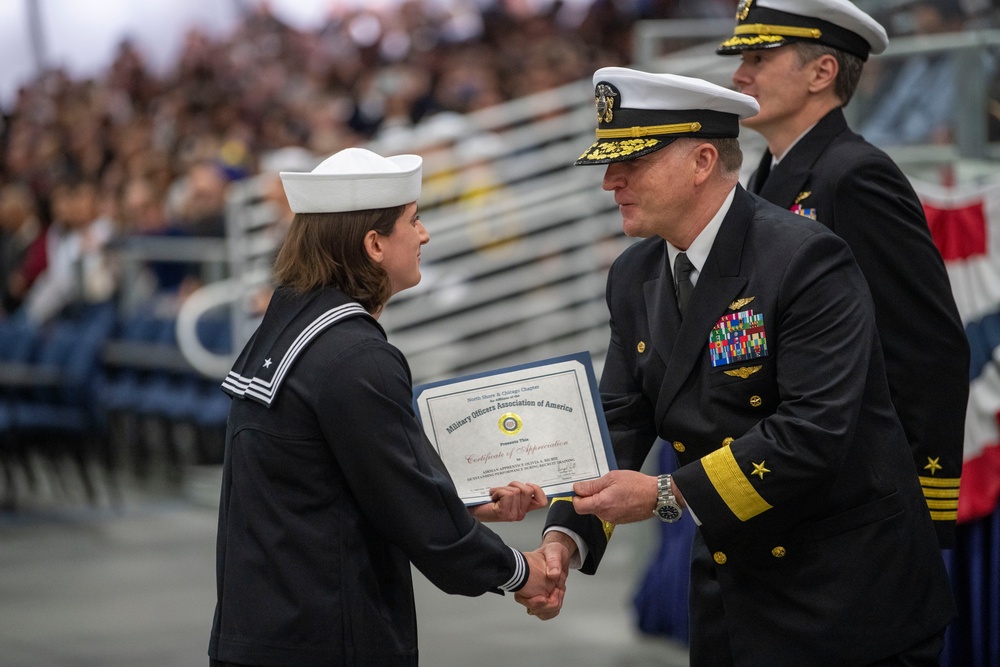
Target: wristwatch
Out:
[667,508]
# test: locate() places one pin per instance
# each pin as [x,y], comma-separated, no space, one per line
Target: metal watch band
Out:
[665,488]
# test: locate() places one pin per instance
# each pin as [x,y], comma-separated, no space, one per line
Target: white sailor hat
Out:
[639,112]
[355,179]
[765,24]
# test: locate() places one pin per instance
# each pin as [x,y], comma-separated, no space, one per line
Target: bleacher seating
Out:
[49,414]
[102,393]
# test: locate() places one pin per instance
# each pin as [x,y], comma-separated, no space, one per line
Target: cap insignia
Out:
[605,97]
[743,9]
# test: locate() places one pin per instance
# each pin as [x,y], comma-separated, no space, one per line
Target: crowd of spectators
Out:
[139,153]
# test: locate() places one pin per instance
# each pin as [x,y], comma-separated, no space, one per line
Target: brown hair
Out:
[848,67]
[327,250]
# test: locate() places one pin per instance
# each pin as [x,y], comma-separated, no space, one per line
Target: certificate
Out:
[540,423]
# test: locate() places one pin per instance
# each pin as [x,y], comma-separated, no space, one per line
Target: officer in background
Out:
[801,61]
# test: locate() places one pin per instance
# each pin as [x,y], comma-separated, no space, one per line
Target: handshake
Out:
[621,496]
[549,566]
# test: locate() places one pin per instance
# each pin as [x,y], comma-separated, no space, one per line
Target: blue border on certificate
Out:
[583,358]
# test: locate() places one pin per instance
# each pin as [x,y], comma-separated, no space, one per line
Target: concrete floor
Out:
[94,587]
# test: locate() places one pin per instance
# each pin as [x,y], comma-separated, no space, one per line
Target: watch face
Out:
[668,513]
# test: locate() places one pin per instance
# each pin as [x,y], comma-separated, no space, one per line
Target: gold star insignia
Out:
[933,465]
[759,469]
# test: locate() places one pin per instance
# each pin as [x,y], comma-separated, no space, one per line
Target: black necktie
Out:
[763,171]
[682,281]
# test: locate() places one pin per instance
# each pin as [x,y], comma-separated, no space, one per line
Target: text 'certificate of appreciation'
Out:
[540,423]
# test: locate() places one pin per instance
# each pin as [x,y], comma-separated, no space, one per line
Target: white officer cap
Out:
[355,179]
[639,112]
[766,24]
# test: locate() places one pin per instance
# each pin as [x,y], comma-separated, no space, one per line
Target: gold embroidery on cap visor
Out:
[764,35]
[613,150]
[761,41]
[608,149]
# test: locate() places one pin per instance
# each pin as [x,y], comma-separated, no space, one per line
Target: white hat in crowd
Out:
[640,112]
[354,179]
[765,24]
[288,158]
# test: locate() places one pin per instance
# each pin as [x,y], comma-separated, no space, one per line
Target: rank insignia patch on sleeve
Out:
[737,337]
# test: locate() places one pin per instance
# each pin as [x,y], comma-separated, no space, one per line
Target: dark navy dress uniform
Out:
[815,546]
[834,176]
[330,491]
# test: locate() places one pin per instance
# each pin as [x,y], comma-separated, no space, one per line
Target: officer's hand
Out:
[621,496]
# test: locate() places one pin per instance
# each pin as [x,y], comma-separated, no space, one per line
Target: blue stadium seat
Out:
[49,407]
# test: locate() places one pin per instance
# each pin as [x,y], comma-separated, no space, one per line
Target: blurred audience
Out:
[75,268]
[159,149]
[915,96]
[19,227]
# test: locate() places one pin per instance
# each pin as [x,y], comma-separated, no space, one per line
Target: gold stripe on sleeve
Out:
[941,493]
[606,525]
[944,516]
[940,482]
[608,529]
[943,504]
[732,485]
